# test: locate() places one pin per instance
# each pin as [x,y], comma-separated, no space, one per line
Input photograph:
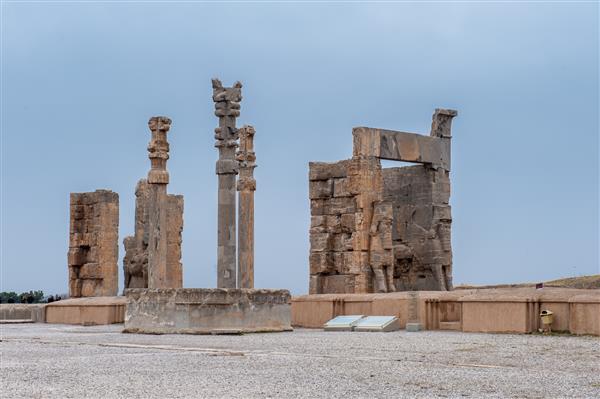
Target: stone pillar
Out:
[246,187]
[227,109]
[93,244]
[158,178]
[135,262]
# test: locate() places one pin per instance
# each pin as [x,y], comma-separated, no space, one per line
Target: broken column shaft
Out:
[158,178]
[227,109]
[246,187]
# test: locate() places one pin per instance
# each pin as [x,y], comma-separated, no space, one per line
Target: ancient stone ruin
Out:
[235,306]
[153,254]
[230,163]
[135,262]
[93,249]
[246,186]
[377,229]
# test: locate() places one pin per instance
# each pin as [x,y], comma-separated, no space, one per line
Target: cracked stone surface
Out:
[59,361]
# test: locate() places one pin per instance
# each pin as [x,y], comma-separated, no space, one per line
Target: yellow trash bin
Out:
[547,317]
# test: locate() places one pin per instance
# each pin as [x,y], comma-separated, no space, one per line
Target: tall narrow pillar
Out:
[227,109]
[246,187]
[158,178]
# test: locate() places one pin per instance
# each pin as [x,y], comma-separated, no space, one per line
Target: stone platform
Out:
[22,313]
[499,310]
[207,311]
[87,311]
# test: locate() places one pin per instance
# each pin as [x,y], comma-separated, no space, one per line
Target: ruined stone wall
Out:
[342,195]
[93,244]
[135,262]
[421,227]
[383,230]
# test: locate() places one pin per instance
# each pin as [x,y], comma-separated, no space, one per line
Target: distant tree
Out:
[38,296]
[24,297]
[9,297]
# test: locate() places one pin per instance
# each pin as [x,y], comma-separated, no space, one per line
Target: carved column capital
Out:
[158,150]
[441,122]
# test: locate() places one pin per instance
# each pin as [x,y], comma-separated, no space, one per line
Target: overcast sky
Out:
[79,82]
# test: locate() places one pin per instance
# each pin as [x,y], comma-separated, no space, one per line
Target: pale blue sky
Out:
[80,80]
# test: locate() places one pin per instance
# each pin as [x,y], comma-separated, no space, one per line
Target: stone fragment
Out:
[341,188]
[93,244]
[321,189]
[326,170]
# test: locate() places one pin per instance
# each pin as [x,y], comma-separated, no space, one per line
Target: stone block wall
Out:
[93,244]
[342,196]
[135,262]
[383,230]
[421,229]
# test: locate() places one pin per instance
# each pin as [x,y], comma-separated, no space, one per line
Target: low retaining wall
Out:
[205,311]
[507,310]
[87,311]
[22,312]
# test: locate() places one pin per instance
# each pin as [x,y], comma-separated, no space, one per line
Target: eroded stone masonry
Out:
[377,229]
[158,222]
[135,262]
[93,244]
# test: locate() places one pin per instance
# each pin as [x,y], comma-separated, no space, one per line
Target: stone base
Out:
[87,311]
[414,327]
[207,311]
[22,313]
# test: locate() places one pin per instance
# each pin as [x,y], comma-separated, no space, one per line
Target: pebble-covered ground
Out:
[59,361]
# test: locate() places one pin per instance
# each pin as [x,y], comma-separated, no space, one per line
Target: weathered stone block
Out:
[341,187]
[93,248]
[326,170]
[338,284]
[338,206]
[320,242]
[321,189]
[348,222]
[204,311]
[318,207]
[321,262]
[401,146]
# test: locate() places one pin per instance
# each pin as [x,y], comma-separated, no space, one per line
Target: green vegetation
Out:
[24,297]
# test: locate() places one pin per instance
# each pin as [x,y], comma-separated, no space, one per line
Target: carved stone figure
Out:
[135,261]
[380,250]
[347,254]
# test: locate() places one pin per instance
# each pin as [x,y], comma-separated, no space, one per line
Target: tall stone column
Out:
[246,187]
[227,109]
[158,178]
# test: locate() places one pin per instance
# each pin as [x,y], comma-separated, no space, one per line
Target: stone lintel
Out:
[401,146]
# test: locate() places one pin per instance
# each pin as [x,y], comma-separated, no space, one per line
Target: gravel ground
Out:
[59,361]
